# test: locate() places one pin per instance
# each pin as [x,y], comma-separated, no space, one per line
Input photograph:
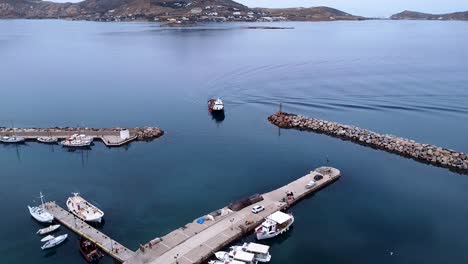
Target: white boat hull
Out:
[40,214]
[84,210]
[54,242]
[266,235]
[47,230]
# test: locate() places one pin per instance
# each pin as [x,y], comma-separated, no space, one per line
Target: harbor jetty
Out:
[104,242]
[427,153]
[111,137]
[197,241]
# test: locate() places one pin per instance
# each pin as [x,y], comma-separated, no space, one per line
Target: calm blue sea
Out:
[406,78]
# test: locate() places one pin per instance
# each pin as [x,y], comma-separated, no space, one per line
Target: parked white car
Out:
[257,209]
[310,184]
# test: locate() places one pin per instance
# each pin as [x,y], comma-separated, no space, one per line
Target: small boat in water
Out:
[53,241]
[12,139]
[222,255]
[275,224]
[215,105]
[83,209]
[261,252]
[90,251]
[40,213]
[47,230]
[77,141]
[47,140]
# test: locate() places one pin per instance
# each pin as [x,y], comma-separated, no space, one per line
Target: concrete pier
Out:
[111,137]
[107,244]
[427,153]
[196,243]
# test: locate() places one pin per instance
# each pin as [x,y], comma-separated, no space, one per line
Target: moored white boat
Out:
[54,241]
[40,213]
[12,139]
[261,252]
[46,230]
[222,255]
[77,141]
[83,209]
[275,224]
[48,140]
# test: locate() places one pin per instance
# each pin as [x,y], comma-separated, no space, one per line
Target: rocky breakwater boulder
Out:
[409,148]
[148,133]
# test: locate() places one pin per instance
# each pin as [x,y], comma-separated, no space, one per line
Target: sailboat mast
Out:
[42,200]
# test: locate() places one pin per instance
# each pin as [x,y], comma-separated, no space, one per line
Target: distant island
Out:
[172,11]
[412,15]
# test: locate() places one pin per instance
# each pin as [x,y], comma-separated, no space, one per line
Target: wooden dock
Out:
[107,244]
[111,137]
[196,243]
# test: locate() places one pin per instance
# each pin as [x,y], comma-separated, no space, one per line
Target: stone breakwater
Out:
[426,153]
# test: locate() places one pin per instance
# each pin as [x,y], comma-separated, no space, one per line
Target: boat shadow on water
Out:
[52,251]
[217,116]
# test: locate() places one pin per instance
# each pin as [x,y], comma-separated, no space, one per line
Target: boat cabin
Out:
[244,256]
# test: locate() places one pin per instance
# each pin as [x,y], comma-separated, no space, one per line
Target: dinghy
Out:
[54,241]
[47,230]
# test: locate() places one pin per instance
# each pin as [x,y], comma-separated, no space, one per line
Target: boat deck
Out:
[196,243]
[107,244]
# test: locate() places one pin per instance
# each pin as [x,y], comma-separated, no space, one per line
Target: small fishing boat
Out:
[47,140]
[261,252]
[40,213]
[275,224]
[222,255]
[47,230]
[54,241]
[83,209]
[215,105]
[77,141]
[12,139]
[89,251]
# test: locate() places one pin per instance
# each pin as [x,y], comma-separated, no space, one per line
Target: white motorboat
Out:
[215,105]
[260,251]
[47,238]
[233,261]
[47,140]
[47,230]
[40,213]
[54,241]
[275,224]
[83,209]
[12,139]
[222,255]
[77,141]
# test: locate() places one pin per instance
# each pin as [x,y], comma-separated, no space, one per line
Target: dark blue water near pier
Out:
[406,78]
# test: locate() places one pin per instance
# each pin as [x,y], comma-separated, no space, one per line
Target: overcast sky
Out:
[370,8]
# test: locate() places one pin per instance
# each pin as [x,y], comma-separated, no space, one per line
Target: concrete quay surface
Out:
[196,243]
[109,136]
[108,245]
[426,153]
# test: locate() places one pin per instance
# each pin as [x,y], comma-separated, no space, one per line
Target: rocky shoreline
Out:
[427,153]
